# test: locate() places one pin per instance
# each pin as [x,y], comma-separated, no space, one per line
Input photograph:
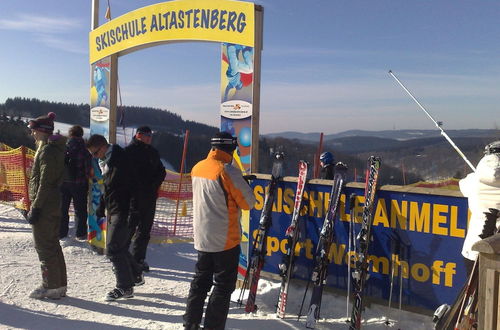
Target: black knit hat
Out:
[224,141]
[43,124]
[144,129]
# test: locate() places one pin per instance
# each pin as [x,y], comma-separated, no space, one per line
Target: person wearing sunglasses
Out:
[116,202]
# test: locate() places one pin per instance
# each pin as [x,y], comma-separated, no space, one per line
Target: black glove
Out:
[99,212]
[33,215]
[24,213]
[249,177]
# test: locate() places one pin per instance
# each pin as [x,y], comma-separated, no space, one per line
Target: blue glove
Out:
[33,215]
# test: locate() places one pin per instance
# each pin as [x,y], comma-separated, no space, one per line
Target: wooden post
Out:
[489,282]
[94,23]
[113,96]
[259,18]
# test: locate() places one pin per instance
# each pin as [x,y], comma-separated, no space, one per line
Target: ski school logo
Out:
[236,109]
[99,114]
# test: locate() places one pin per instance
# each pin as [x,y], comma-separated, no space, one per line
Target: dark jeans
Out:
[141,219]
[117,236]
[212,268]
[46,238]
[78,193]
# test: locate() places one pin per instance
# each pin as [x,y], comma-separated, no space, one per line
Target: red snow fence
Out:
[174,207]
[15,170]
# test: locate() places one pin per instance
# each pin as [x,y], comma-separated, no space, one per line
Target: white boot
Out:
[41,292]
[62,290]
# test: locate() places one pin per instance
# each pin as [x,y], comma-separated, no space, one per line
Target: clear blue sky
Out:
[324,64]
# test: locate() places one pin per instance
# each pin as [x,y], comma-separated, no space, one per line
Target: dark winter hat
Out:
[144,130]
[43,124]
[224,141]
[326,157]
[75,131]
[492,148]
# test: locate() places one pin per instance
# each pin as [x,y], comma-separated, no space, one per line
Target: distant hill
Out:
[169,127]
[407,155]
[404,134]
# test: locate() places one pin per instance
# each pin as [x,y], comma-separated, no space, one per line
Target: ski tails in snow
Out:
[258,250]
[360,273]
[292,237]
[321,260]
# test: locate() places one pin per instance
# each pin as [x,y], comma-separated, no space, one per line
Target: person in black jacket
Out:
[116,201]
[76,183]
[148,174]
[327,167]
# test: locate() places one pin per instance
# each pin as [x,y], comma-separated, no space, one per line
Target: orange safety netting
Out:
[15,169]
[174,207]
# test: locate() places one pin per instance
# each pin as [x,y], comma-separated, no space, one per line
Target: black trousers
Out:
[142,213]
[212,268]
[77,192]
[117,236]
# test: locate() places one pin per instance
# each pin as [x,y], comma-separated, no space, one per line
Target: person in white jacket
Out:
[482,188]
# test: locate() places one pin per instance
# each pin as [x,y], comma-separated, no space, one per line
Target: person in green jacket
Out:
[45,212]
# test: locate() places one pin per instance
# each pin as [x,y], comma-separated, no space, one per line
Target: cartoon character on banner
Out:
[100,82]
[96,225]
[227,126]
[239,72]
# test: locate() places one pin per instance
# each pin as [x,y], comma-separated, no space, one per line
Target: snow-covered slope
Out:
[159,304]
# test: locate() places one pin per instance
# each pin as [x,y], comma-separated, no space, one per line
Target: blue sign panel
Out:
[420,235]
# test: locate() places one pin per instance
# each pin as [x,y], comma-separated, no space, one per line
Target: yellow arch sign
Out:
[203,20]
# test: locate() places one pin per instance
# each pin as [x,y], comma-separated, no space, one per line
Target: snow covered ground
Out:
[159,304]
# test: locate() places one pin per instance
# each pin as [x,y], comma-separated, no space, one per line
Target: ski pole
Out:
[443,133]
[403,253]
[393,251]
[303,299]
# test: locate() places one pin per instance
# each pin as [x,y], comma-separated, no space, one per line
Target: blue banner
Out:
[421,235]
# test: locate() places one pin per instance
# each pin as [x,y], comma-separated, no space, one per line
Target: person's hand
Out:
[33,215]
[99,213]
[249,177]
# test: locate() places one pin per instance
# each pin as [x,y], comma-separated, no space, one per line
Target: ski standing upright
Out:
[258,253]
[322,260]
[360,273]
[292,237]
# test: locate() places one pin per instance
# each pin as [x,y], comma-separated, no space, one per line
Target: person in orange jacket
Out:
[219,192]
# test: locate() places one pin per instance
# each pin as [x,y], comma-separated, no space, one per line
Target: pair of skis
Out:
[292,237]
[322,257]
[360,274]
[258,253]
[292,233]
